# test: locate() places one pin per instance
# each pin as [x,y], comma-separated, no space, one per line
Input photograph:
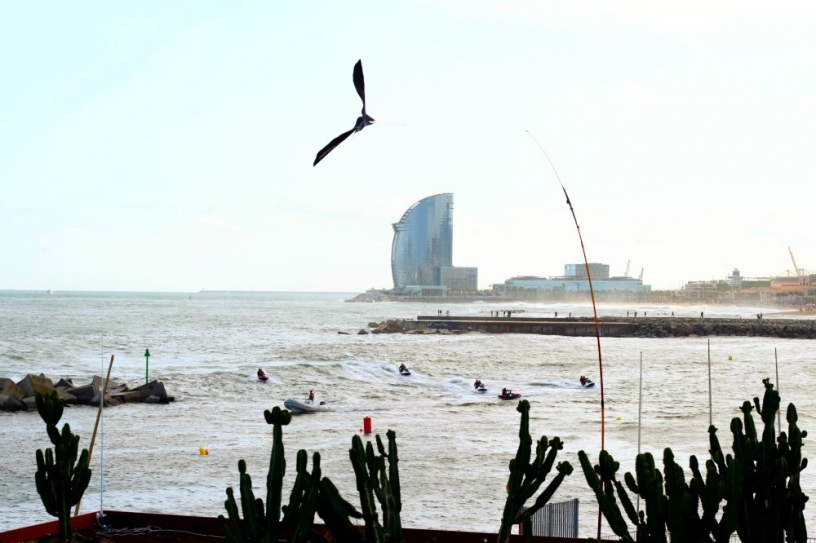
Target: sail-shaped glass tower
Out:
[423,242]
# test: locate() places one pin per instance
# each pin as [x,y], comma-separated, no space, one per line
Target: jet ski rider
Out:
[311,395]
[402,367]
[477,384]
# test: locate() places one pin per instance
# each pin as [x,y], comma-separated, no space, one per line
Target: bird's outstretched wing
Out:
[332,144]
[359,81]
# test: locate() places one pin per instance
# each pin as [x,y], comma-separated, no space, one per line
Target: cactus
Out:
[265,526]
[375,481]
[759,505]
[525,478]
[773,498]
[61,479]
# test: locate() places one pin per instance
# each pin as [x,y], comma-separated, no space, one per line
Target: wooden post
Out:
[96,424]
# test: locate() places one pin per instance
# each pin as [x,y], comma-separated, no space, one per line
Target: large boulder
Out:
[66,397]
[128,396]
[98,380]
[83,394]
[109,402]
[153,388]
[64,383]
[10,388]
[11,403]
[35,384]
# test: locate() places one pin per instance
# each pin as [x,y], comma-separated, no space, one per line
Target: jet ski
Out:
[481,389]
[262,377]
[510,395]
[306,406]
[404,370]
[586,382]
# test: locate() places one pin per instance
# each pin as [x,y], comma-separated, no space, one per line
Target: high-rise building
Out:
[423,242]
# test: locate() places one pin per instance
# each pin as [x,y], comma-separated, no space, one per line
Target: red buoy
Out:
[367,425]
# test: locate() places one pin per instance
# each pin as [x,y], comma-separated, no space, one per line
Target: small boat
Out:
[305,406]
[404,370]
[510,396]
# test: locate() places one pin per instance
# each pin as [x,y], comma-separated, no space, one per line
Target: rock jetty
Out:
[20,396]
[788,328]
[651,327]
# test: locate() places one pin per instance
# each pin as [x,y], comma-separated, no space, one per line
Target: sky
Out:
[168,146]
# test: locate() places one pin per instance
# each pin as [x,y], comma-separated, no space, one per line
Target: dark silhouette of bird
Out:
[362,121]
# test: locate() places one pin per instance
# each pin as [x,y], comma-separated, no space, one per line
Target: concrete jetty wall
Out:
[652,327]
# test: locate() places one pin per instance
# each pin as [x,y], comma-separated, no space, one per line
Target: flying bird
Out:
[362,121]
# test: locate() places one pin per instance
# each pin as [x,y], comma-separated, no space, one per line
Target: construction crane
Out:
[627,268]
[797,270]
[640,277]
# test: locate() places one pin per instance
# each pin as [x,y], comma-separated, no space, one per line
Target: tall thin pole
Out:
[710,417]
[640,406]
[594,308]
[778,411]
[96,425]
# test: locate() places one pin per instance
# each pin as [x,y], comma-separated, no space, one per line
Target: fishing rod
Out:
[592,296]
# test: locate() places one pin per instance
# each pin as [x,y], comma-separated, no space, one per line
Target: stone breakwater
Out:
[21,396]
[789,328]
[651,327]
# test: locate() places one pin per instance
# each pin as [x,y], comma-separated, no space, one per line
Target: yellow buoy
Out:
[618,418]
[729,357]
[203,452]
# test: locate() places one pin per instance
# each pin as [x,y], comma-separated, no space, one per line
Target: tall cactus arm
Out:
[609,508]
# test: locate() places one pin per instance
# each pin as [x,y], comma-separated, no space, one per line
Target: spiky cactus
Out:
[264,525]
[525,478]
[759,484]
[773,499]
[61,479]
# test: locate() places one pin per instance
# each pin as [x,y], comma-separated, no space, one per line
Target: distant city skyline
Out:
[169,147]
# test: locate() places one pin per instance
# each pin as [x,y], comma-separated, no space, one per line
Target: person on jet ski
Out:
[477,384]
[506,392]
[311,395]
[402,367]
[261,373]
[583,380]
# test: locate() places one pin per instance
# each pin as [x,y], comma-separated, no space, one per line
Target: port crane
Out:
[797,270]
[627,268]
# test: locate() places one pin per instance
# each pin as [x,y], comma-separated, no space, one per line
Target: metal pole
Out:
[778,411]
[710,417]
[640,405]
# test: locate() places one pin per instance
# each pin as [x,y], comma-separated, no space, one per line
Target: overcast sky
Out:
[168,146]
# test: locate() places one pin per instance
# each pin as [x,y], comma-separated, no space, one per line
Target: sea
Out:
[454,443]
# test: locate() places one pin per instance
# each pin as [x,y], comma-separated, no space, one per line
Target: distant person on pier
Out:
[701,314]
[556,314]
[447,313]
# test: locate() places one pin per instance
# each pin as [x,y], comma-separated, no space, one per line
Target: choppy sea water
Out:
[454,444]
